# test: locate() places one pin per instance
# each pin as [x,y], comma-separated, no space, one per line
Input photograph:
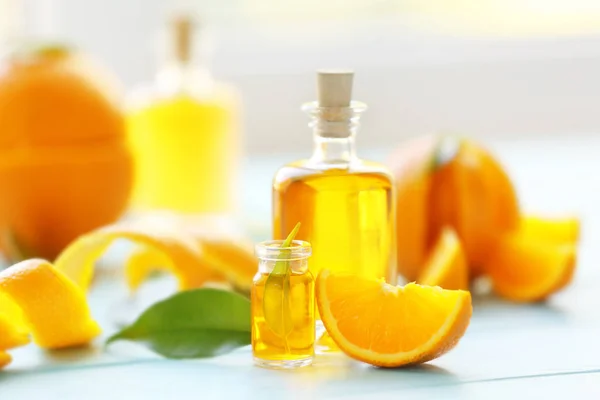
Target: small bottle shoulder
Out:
[169,88]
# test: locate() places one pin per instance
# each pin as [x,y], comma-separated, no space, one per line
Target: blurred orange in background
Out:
[451,182]
[65,167]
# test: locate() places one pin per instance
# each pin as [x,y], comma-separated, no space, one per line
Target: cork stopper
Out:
[182,26]
[334,88]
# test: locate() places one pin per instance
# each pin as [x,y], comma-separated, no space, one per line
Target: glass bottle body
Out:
[345,205]
[186,149]
[283,309]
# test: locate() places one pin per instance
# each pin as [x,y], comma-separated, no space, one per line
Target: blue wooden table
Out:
[549,350]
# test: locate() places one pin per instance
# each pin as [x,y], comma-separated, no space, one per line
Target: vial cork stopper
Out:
[334,88]
[183,26]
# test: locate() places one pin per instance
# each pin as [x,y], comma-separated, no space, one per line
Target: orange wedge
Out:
[54,307]
[525,269]
[558,230]
[446,266]
[391,326]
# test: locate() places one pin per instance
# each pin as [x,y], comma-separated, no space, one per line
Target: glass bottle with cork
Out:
[185,135]
[345,204]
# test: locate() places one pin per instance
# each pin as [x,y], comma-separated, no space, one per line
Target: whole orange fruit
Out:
[450,182]
[65,167]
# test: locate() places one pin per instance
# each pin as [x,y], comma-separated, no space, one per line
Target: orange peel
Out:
[12,334]
[13,329]
[53,306]
[193,260]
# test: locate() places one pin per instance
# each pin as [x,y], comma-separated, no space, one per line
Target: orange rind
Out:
[193,260]
[12,334]
[55,309]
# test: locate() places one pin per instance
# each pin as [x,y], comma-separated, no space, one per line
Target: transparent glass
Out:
[283,307]
[346,205]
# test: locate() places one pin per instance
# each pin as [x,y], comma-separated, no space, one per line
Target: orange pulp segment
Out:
[391,326]
[55,308]
[446,265]
[558,230]
[523,268]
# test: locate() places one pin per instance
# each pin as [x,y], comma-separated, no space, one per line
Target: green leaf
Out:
[276,302]
[192,324]
[282,267]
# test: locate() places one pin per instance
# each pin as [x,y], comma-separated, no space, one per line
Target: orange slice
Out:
[526,269]
[54,307]
[446,266]
[391,326]
[558,230]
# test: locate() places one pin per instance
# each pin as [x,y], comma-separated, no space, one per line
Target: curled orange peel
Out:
[193,260]
[12,334]
[13,328]
[38,299]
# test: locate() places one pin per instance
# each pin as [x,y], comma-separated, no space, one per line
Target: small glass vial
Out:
[283,306]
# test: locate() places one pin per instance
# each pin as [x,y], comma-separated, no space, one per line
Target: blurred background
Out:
[209,98]
[489,68]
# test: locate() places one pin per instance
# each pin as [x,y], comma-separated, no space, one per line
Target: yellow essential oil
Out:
[184,133]
[283,307]
[185,151]
[345,204]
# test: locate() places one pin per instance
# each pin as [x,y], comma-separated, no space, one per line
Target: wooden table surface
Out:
[510,351]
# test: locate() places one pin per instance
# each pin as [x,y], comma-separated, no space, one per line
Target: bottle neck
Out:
[179,77]
[333,150]
[183,59]
[334,132]
[297,266]
[270,253]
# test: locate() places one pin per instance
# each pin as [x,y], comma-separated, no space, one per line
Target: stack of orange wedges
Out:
[458,219]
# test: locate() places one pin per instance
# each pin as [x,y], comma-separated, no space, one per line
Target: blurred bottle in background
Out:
[185,134]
